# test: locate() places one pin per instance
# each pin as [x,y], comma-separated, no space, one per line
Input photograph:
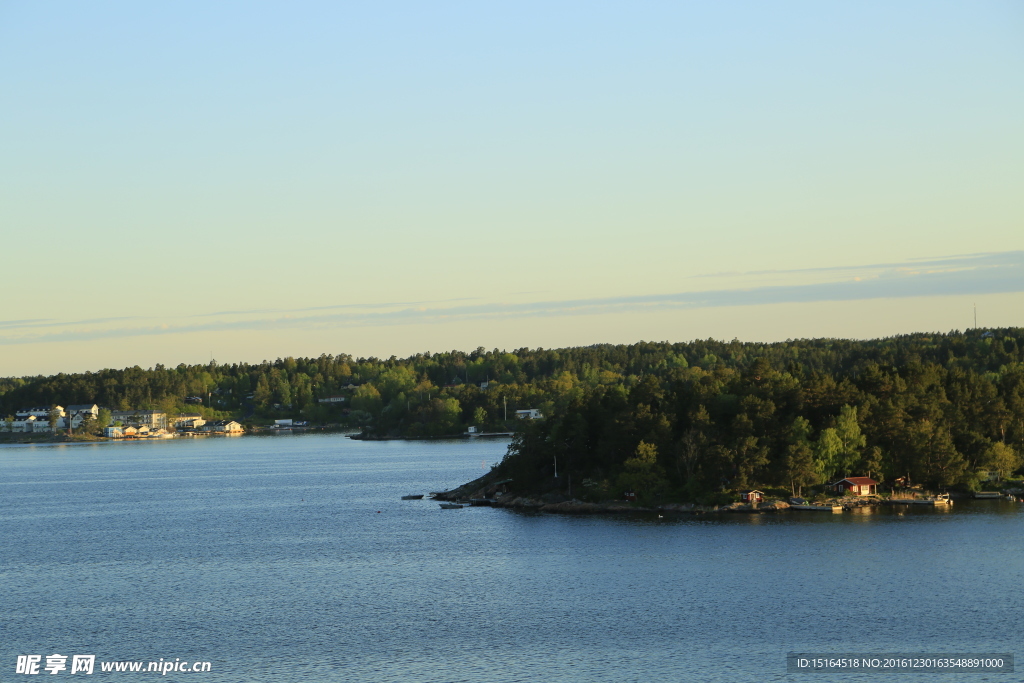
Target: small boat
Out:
[987,494]
[940,499]
[450,506]
[413,497]
[817,508]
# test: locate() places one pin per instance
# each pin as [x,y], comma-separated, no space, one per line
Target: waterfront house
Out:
[80,412]
[37,420]
[154,419]
[188,422]
[24,423]
[113,432]
[752,496]
[40,412]
[529,414]
[858,486]
[223,427]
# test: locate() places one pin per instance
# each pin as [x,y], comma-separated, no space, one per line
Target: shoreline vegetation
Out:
[667,423]
[489,490]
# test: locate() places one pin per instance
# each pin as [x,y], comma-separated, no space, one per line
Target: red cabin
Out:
[752,496]
[858,486]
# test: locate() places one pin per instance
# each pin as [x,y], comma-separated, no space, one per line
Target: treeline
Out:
[929,409]
[677,420]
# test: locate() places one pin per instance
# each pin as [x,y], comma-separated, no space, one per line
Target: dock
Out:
[818,508]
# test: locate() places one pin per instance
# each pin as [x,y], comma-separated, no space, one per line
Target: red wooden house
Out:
[858,486]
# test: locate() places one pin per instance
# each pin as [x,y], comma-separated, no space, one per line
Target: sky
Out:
[181,181]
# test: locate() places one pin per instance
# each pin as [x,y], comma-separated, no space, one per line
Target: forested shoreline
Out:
[667,420]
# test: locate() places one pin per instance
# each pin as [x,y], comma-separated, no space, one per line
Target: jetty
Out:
[817,508]
[941,499]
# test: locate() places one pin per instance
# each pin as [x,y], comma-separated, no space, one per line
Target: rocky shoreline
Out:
[554,504]
[489,492]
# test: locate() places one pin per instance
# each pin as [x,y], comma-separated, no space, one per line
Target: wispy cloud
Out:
[333,307]
[24,323]
[983,260]
[973,274]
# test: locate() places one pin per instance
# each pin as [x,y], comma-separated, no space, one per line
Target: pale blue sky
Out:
[255,180]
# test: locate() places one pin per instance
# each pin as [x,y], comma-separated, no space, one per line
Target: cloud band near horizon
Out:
[974,274]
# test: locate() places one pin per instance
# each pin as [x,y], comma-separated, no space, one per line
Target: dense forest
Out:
[665,420]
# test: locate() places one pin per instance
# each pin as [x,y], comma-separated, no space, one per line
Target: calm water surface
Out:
[291,558]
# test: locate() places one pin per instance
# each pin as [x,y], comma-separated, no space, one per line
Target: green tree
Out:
[871,464]
[479,417]
[642,474]
[1003,459]
[938,461]
[87,425]
[261,395]
[848,431]
[283,390]
[396,380]
[302,391]
[801,469]
[54,418]
[826,453]
[368,399]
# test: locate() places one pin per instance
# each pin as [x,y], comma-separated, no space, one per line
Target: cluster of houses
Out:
[857,486]
[125,424]
[195,423]
[38,420]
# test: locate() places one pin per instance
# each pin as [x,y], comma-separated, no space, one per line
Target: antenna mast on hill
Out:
[975,316]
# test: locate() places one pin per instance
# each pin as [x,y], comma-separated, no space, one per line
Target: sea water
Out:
[292,558]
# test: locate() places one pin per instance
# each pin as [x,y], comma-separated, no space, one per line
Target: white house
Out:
[37,420]
[189,421]
[150,418]
[529,414]
[80,412]
[24,424]
[224,426]
[40,412]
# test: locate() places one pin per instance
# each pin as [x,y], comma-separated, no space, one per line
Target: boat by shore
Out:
[817,508]
[413,497]
[939,500]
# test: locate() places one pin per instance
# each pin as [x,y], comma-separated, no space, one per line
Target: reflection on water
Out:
[293,558]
